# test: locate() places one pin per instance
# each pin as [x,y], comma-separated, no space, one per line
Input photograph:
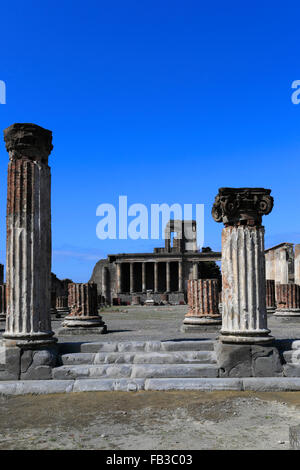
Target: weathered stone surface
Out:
[203,384]
[38,364]
[270,296]
[28,267]
[271,384]
[294,435]
[174,370]
[2,301]
[11,362]
[248,361]
[36,387]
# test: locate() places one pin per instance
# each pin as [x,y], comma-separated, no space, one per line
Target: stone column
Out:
[168,277]
[28,254]
[297,264]
[243,264]
[155,276]
[203,299]
[270,296]
[62,306]
[143,277]
[2,302]
[195,271]
[288,300]
[83,317]
[131,278]
[104,283]
[281,266]
[180,279]
[53,310]
[119,280]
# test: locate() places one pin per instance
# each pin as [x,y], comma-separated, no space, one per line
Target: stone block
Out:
[294,435]
[203,384]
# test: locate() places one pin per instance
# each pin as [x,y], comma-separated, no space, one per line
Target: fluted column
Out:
[2,302]
[62,305]
[288,300]
[83,302]
[270,296]
[244,317]
[203,299]
[28,254]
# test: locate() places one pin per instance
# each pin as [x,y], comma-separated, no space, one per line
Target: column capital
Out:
[28,141]
[242,206]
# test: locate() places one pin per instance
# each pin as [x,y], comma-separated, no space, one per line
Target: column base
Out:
[271,310]
[30,341]
[2,316]
[246,337]
[203,323]
[62,311]
[287,312]
[73,325]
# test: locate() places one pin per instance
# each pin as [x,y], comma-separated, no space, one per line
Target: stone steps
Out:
[135,371]
[174,357]
[137,346]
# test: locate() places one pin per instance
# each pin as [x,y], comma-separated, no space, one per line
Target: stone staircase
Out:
[292,359]
[131,364]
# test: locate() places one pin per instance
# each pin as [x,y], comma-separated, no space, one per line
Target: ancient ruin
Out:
[83,316]
[203,300]
[122,277]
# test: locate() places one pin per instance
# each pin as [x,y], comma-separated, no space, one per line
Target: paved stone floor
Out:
[152,420]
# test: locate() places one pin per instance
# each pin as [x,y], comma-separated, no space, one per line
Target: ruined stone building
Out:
[283,263]
[165,272]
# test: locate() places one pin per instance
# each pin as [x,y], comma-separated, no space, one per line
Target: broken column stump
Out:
[288,300]
[203,299]
[83,317]
[245,344]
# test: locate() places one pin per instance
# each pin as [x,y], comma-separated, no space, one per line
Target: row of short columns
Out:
[144,280]
[283,299]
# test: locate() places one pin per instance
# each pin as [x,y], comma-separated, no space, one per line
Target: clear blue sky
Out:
[162,101]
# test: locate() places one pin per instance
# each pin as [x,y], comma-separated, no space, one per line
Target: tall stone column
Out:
[180,279]
[288,300]
[83,317]
[243,264]
[2,302]
[119,278]
[131,278]
[297,264]
[144,277]
[203,299]
[155,276]
[168,277]
[28,255]
[195,271]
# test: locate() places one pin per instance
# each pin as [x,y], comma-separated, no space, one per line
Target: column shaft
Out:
[168,277]
[155,276]
[180,279]
[143,277]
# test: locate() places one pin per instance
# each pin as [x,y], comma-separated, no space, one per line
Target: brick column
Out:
[119,278]
[288,300]
[244,318]
[297,264]
[28,254]
[83,317]
[2,302]
[270,296]
[203,299]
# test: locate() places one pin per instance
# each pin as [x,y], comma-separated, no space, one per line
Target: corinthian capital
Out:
[242,206]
